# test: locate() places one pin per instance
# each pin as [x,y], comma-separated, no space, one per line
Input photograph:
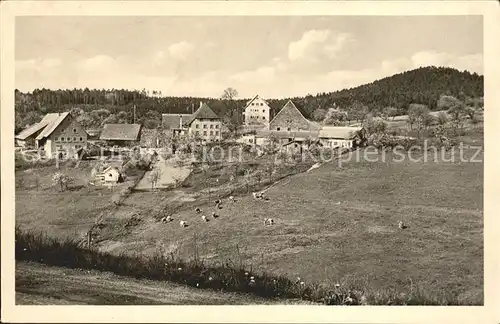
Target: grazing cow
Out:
[204,218]
[402,225]
[214,215]
[217,201]
[231,198]
[169,219]
[256,195]
[197,210]
[183,223]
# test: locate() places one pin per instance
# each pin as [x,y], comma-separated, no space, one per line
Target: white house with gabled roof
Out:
[257,112]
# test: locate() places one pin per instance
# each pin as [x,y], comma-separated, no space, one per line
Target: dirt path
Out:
[37,284]
[169,173]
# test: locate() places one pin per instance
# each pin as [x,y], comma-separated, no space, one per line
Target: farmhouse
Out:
[57,134]
[203,123]
[335,136]
[289,118]
[257,112]
[27,137]
[291,130]
[121,134]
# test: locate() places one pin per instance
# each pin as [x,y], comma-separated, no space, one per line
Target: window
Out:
[205,133]
[217,126]
[81,139]
[62,139]
[277,128]
[264,118]
[334,142]
[211,133]
[197,132]
[197,126]
[74,139]
[263,110]
[74,130]
[56,139]
[211,126]
[261,104]
[288,128]
[217,133]
[204,125]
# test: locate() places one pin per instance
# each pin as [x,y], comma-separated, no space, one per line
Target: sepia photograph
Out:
[247,159]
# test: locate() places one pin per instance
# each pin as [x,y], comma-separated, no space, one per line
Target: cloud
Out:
[38,64]
[180,51]
[316,45]
[99,62]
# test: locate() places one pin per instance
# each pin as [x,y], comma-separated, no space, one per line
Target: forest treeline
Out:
[95,107]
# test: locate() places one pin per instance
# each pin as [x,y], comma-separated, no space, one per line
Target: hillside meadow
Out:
[335,224]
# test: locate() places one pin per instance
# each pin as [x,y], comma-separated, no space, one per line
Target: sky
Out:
[273,56]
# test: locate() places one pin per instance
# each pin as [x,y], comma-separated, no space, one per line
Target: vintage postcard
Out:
[297,161]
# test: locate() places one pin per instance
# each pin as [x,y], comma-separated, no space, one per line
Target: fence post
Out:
[89,238]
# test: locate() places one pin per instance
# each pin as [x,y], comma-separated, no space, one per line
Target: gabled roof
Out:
[204,112]
[31,130]
[120,132]
[170,121]
[338,132]
[253,99]
[109,168]
[291,106]
[52,126]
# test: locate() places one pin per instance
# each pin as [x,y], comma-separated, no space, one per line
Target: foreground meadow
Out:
[335,224]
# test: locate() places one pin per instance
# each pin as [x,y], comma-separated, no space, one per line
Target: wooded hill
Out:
[96,107]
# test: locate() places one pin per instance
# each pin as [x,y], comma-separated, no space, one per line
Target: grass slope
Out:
[38,284]
[334,225]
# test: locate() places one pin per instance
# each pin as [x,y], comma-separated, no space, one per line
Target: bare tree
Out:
[62,180]
[37,182]
[232,112]
[154,176]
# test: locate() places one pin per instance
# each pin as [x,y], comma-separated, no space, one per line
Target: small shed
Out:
[109,176]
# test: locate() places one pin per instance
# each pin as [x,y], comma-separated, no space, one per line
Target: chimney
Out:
[180,121]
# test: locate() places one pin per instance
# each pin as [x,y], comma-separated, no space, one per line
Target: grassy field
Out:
[333,224]
[38,284]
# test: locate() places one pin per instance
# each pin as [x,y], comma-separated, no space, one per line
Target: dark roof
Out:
[121,132]
[170,121]
[204,112]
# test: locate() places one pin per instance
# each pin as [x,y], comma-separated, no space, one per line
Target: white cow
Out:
[204,218]
[183,223]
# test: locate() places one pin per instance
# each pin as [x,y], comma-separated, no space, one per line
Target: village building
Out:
[290,130]
[123,135]
[345,137]
[289,118]
[257,112]
[56,135]
[203,123]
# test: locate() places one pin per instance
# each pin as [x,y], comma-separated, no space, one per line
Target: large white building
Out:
[257,112]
